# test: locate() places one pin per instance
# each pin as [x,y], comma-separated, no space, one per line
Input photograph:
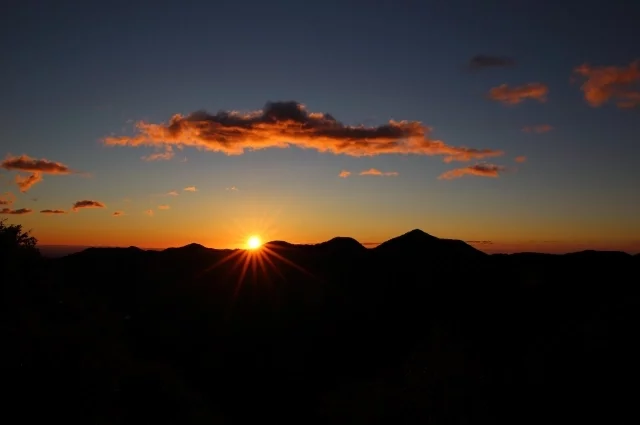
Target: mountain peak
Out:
[342,243]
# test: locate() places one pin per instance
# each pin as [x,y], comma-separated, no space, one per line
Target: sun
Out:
[254,242]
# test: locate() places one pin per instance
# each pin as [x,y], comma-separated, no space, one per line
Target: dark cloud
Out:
[487,61]
[480,242]
[26,163]
[88,204]
[117,213]
[482,170]
[7,198]
[284,124]
[17,212]
[53,212]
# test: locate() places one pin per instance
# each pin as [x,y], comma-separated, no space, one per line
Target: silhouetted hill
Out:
[417,330]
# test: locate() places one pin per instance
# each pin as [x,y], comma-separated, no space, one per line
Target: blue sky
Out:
[76,74]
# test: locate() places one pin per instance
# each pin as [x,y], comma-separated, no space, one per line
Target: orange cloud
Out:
[88,204]
[7,198]
[284,124]
[521,159]
[375,172]
[53,212]
[344,174]
[514,95]
[26,182]
[26,163]
[482,170]
[17,212]
[191,189]
[149,213]
[163,207]
[118,213]
[160,156]
[487,61]
[603,83]
[540,128]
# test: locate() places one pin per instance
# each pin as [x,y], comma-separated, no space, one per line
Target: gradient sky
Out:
[78,74]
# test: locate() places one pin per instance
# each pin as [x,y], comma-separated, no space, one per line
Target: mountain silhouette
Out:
[419,329]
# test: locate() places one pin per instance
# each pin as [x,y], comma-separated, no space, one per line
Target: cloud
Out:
[480,242]
[521,159]
[149,213]
[26,182]
[488,61]
[53,212]
[482,170]
[35,166]
[118,213]
[514,95]
[88,204]
[285,124]
[7,198]
[375,172]
[190,189]
[163,207]
[344,174]
[539,128]
[604,83]
[173,193]
[160,156]
[16,212]
[233,188]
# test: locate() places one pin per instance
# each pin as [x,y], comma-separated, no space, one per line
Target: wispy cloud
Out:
[344,174]
[160,156]
[149,213]
[88,204]
[232,188]
[488,61]
[53,212]
[163,207]
[539,128]
[190,189]
[514,95]
[118,213]
[16,212]
[283,124]
[376,172]
[7,198]
[482,170]
[521,159]
[35,166]
[173,193]
[618,83]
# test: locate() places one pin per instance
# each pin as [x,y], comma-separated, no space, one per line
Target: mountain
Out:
[417,330]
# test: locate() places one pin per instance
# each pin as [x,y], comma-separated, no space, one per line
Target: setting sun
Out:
[254,242]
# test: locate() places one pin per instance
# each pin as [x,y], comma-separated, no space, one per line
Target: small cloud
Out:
[482,170]
[487,61]
[190,189]
[521,159]
[184,159]
[480,242]
[118,213]
[53,212]
[16,212]
[514,95]
[163,207]
[88,204]
[376,172]
[26,182]
[173,193]
[160,156]
[618,83]
[149,213]
[7,198]
[285,124]
[233,188]
[540,128]
[344,174]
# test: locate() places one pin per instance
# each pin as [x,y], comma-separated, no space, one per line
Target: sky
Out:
[511,125]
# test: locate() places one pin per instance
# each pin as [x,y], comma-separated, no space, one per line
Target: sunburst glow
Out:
[254,242]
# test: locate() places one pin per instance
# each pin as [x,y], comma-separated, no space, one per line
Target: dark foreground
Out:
[418,330]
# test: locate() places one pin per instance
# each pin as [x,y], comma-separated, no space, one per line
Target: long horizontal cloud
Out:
[88,204]
[16,212]
[7,198]
[604,83]
[35,166]
[376,172]
[539,128]
[515,95]
[282,124]
[488,61]
[53,212]
[482,170]
[160,156]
